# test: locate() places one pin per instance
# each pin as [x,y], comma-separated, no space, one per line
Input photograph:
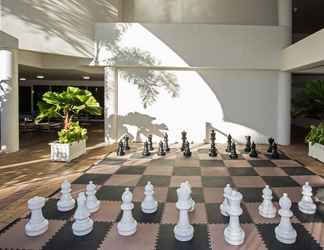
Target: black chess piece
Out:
[126,142]
[120,149]
[247,148]
[187,152]
[229,143]
[233,154]
[274,153]
[166,142]
[161,151]
[253,153]
[146,151]
[184,139]
[271,141]
[150,142]
[213,150]
[212,136]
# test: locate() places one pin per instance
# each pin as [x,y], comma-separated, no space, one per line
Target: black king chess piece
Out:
[126,142]
[271,141]
[247,148]
[184,139]
[150,142]
[146,151]
[253,153]
[233,154]
[166,142]
[161,151]
[274,153]
[187,152]
[120,149]
[229,143]
[212,150]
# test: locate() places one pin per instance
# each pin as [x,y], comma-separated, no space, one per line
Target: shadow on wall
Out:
[4,91]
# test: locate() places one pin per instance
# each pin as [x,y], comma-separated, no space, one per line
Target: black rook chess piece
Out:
[271,141]
[229,143]
[187,152]
[253,153]
[146,151]
[166,142]
[233,154]
[184,139]
[120,149]
[150,142]
[247,148]
[212,150]
[161,151]
[274,153]
[126,144]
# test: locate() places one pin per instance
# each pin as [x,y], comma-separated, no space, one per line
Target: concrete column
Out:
[285,16]
[9,101]
[111,105]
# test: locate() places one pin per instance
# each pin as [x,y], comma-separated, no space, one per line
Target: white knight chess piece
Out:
[127,225]
[307,205]
[191,201]
[224,205]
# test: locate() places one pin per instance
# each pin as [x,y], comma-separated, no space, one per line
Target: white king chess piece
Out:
[266,208]
[82,225]
[183,231]
[127,225]
[191,201]
[37,224]
[149,205]
[307,205]
[92,202]
[66,202]
[224,205]
[285,232]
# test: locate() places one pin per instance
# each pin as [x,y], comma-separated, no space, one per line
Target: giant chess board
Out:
[207,176]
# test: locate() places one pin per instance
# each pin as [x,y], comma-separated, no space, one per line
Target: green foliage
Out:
[316,134]
[72,134]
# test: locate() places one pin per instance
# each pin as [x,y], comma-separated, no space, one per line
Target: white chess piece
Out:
[92,202]
[285,232]
[266,208]
[224,205]
[66,202]
[127,225]
[191,201]
[149,205]
[233,233]
[183,231]
[37,224]
[307,205]
[82,225]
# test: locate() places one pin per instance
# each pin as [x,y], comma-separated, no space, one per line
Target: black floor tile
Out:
[136,170]
[111,193]
[297,171]
[212,163]
[261,163]
[197,194]
[158,181]
[242,172]
[254,194]
[307,218]
[50,211]
[214,215]
[97,179]
[216,181]
[280,181]
[227,157]
[186,171]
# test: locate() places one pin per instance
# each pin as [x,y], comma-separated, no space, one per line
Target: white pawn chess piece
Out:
[37,224]
[224,205]
[66,202]
[307,205]
[183,231]
[285,232]
[191,201]
[92,202]
[127,225]
[233,233]
[82,225]
[149,205]
[266,208]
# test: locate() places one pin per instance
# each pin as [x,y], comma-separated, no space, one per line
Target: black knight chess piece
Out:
[184,139]
[187,152]
[213,150]
[146,151]
[126,142]
[270,141]
[247,148]
[120,149]
[253,153]
[166,142]
[150,142]
[161,151]
[274,153]
[233,154]
[229,143]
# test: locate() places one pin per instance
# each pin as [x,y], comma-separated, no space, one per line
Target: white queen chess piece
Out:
[37,224]
[149,205]
[233,233]
[307,205]
[224,205]
[266,208]
[82,225]
[191,201]
[127,225]
[92,202]
[285,232]
[66,202]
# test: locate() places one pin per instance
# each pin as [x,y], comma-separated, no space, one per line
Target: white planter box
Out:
[316,151]
[67,152]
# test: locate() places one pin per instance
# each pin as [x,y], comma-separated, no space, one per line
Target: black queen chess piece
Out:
[233,154]
[150,142]
[184,139]
[253,153]
[270,141]
[146,151]
[126,142]
[120,148]
[274,153]
[229,143]
[166,142]
[161,151]
[247,148]
[187,152]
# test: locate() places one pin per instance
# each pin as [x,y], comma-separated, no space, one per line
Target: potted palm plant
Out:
[315,138]
[67,105]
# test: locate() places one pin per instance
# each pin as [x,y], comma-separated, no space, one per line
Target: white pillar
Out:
[9,100]
[285,16]
[111,104]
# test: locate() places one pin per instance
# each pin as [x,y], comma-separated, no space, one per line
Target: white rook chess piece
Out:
[224,205]
[285,232]
[127,225]
[66,202]
[149,205]
[37,224]
[183,231]
[92,202]
[307,205]
[266,208]
[191,201]
[83,225]
[233,233]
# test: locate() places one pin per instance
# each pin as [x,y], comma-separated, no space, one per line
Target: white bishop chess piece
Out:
[66,202]
[234,234]
[37,224]
[92,202]
[191,201]
[307,205]
[285,232]
[224,205]
[183,231]
[266,208]
[82,225]
[127,225]
[149,205]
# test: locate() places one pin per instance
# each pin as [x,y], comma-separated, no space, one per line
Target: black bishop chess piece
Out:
[126,142]
[161,151]
[120,149]
[274,153]
[229,143]
[233,154]
[166,142]
[270,141]
[247,148]
[253,153]
[146,151]
[187,152]
[150,142]
[184,139]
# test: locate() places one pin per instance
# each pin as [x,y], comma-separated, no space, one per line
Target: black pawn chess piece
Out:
[146,151]
[120,149]
[233,154]
[187,152]
[150,142]
[213,150]
[184,139]
[229,143]
[161,151]
[274,153]
[253,153]
[166,142]
[126,142]
[271,141]
[247,148]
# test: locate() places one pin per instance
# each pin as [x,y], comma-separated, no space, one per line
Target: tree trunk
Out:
[66,120]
